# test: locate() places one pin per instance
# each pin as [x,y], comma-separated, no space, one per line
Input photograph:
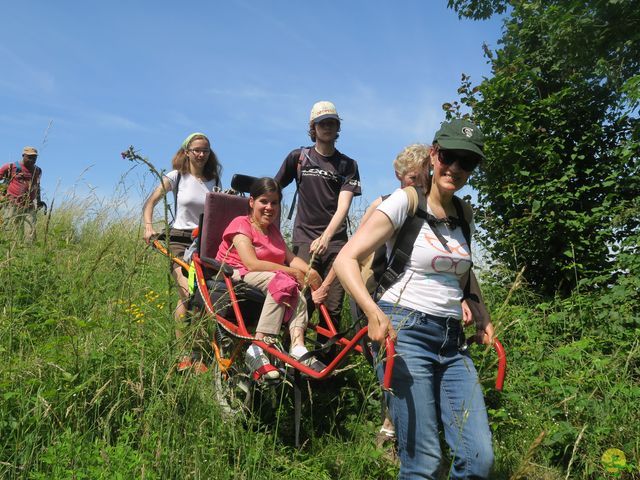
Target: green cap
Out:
[460,134]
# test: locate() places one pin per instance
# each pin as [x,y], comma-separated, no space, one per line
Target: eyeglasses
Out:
[204,151]
[466,162]
[31,157]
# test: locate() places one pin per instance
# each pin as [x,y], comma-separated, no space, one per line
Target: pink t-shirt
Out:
[269,246]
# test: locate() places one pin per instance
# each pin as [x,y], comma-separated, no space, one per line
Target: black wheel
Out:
[233,388]
[233,392]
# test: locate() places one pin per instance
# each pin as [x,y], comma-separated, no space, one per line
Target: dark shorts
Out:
[180,241]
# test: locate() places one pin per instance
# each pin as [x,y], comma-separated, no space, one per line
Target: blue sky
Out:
[100,76]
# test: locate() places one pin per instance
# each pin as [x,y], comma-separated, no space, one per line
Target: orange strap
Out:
[160,247]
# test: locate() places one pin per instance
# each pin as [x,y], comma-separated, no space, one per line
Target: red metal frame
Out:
[502,364]
[239,328]
[328,330]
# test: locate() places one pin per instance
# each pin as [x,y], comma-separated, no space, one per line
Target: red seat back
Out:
[219,210]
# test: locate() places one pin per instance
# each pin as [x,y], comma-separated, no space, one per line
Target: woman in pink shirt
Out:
[253,245]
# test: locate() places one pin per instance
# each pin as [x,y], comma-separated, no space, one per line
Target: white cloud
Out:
[110,120]
[249,92]
[371,110]
[22,77]
[23,119]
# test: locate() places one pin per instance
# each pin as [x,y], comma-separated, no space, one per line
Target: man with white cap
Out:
[326,182]
[21,199]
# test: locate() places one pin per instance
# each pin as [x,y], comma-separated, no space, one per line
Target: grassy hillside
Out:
[87,387]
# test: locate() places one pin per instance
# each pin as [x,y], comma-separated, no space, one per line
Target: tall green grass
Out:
[88,388]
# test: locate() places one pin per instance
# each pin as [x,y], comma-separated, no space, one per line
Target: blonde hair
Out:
[413,158]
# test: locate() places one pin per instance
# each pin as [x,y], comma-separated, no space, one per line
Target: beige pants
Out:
[21,218]
[272,313]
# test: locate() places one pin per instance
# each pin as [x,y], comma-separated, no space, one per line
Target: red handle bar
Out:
[502,360]
[502,364]
[497,346]
[391,358]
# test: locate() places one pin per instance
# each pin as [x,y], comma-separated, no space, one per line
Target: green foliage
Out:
[573,381]
[88,388]
[477,9]
[558,193]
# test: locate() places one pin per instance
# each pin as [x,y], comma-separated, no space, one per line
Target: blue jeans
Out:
[435,384]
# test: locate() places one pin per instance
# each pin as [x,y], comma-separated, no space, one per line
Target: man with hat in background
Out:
[21,199]
[326,182]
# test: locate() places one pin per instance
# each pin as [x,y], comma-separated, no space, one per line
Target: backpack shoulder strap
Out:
[470,287]
[413,197]
[304,155]
[342,167]
[18,168]
[464,223]
[403,246]
[175,196]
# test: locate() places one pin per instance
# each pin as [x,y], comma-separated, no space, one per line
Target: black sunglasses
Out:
[466,162]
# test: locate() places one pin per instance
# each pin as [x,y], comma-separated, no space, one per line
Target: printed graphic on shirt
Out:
[435,260]
[321,180]
[319,172]
[431,281]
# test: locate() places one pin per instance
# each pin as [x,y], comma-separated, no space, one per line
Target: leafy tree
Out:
[559,191]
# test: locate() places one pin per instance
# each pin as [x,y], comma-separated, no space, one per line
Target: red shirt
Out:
[23,185]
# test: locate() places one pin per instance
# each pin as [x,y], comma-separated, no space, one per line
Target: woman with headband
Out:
[196,172]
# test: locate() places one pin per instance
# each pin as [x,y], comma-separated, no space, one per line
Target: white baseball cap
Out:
[323,110]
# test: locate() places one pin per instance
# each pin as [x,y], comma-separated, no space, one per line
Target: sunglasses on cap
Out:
[467,161]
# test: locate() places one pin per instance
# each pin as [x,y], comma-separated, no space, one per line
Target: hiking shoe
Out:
[189,363]
[386,441]
[384,437]
[184,364]
[199,367]
[312,362]
[259,364]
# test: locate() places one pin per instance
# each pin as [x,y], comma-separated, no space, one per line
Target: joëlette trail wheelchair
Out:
[235,306]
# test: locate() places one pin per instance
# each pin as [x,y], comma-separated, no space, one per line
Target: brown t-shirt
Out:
[321,181]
